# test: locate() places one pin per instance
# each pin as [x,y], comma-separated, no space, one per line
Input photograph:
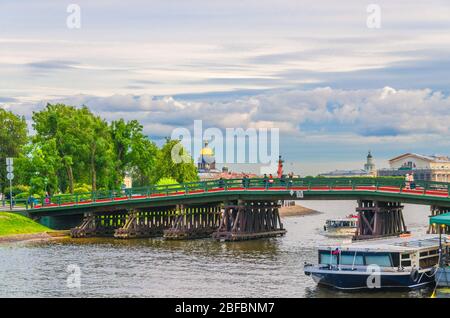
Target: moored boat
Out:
[395,263]
[342,226]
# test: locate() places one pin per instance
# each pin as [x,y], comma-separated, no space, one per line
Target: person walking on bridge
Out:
[221,183]
[407,179]
[412,184]
[246,182]
[265,181]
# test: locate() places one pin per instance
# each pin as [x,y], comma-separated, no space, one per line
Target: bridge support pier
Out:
[378,219]
[194,222]
[99,224]
[436,210]
[248,220]
[149,222]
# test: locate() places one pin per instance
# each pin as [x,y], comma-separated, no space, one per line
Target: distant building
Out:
[207,170]
[207,160]
[368,171]
[430,168]
[369,167]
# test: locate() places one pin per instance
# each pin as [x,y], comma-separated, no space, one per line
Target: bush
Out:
[166,181]
[80,188]
[23,195]
[172,184]
[17,189]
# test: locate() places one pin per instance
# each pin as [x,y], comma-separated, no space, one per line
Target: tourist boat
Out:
[401,262]
[341,227]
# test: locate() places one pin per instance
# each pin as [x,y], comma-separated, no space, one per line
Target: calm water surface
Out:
[200,268]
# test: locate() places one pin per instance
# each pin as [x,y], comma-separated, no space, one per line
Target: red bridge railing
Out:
[397,185]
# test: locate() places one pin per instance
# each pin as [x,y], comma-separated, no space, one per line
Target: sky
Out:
[334,86]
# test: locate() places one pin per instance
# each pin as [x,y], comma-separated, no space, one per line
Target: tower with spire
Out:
[370,165]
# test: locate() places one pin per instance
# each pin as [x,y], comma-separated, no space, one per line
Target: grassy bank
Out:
[11,224]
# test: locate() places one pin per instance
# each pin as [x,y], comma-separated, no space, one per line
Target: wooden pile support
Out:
[192,222]
[436,210]
[99,224]
[147,222]
[249,220]
[379,219]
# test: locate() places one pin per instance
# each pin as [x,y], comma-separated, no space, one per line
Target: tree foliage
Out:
[74,150]
[13,136]
[166,166]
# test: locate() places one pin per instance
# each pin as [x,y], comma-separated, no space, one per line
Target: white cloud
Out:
[373,112]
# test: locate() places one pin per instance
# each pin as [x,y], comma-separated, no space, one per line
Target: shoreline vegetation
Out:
[17,228]
[16,224]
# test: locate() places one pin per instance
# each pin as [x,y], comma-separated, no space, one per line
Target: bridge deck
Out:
[429,193]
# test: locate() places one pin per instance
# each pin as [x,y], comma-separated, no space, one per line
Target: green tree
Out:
[13,136]
[134,152]
[96,148]
[169,167]
[60,124]
[38,167]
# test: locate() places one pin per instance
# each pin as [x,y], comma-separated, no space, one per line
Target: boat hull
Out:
[353,280]
[338,232]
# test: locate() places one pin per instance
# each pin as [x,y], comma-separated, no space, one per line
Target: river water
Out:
[198,268]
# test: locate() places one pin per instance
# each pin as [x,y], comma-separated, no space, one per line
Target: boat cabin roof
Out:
[397,244]
[342,220]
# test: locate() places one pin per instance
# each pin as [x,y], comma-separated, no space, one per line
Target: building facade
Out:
[429,168]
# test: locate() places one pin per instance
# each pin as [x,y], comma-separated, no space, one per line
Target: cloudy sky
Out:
[333,86]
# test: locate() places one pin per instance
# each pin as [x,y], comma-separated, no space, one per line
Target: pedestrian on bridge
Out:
[246,182]
[283,180]
[47,198]
[270,180]
[412,184]
[221,183]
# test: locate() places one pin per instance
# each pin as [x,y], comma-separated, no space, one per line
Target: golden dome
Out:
[206,152]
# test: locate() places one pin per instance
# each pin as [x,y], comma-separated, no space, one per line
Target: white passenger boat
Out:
[341,227]
[402,262]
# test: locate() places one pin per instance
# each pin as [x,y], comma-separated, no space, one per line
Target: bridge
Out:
[234,209]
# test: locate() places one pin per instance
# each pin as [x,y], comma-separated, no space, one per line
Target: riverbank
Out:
[18,228]
[13,224]
[296,210]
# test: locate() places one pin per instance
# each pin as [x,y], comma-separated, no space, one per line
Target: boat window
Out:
[380,259]
[351,259]
[325,258]
[405,256]
[429,262]
[395,259]
[406,263]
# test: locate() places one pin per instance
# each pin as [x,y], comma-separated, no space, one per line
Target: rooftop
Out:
[432,158]
[397,244]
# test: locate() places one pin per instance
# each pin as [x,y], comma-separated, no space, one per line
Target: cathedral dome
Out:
[206,151]
[206,160]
